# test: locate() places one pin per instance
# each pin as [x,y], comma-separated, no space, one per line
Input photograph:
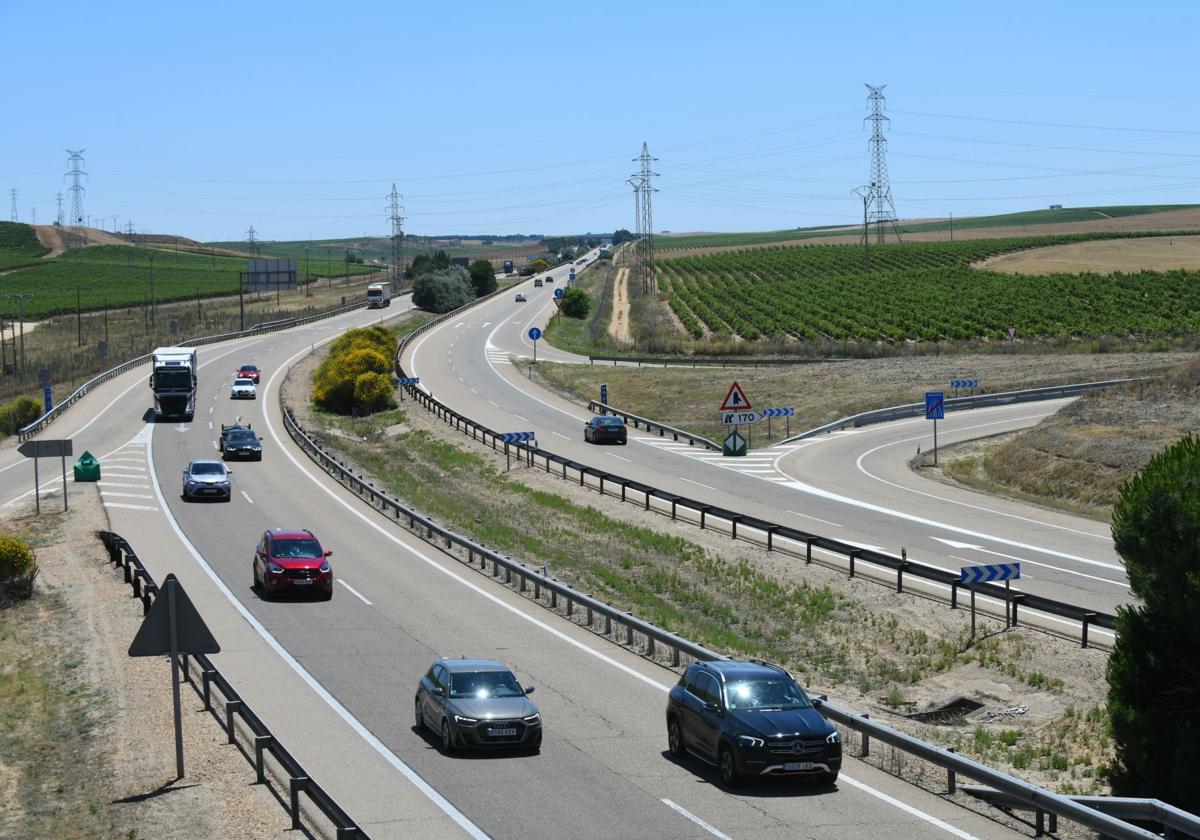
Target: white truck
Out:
[379,295]
[173,381]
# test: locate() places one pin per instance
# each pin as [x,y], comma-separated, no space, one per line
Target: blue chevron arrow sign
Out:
[964,383]
[778,412]
[409,380]
[515,437]
[986,574]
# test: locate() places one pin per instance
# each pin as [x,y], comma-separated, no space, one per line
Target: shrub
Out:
[576,303]
[377,338]
[17,414]
[373,392]
[483,277]
[18,568]
[334,380]
[443,291]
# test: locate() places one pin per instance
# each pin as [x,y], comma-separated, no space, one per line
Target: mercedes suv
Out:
[751,719]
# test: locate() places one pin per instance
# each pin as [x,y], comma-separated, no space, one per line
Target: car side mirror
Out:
[529,689]
[817,702]
[436,691]
[715,708]
[329,552]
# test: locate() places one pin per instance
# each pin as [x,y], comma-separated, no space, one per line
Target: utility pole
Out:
[13,215]
[865,193]
[114,218]
[883,210]
[60,212]
[20,298]
[78,319]
[252,242]
[394,208]
[152,290]
[33,215]
[76,173]
[951,225]
[307,283]
[643,190]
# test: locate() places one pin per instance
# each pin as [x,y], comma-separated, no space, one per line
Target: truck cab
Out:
[379,295]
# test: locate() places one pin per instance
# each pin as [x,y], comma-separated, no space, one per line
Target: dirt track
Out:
[618,326]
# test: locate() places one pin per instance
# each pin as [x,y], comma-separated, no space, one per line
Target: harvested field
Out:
[1102,257]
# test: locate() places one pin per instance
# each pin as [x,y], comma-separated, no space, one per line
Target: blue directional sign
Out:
[558,292]
[409,380]
[515,437]
[47,398]
[534,333]
[778,412]
[964,383]
[987,574]
[604,392]
[935,405]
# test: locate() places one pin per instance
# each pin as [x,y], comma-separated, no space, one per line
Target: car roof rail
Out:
[773,665]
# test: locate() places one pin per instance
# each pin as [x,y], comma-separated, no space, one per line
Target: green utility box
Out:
[87,468]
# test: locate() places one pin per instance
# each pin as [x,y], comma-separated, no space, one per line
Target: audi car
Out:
[605,427]
[477,704]
[239,442]
[248,372]
[292,561]
[243,389]
[751,719]
[207,480]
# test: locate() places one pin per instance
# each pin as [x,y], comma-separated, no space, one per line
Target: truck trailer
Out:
[379,295]
[173,381]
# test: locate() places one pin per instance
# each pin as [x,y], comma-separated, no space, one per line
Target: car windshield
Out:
[483,684]
[249,369]
[173,378]
[242,435]
[207,469]
[766,694]
[243,382]
[608,421]
[298,548]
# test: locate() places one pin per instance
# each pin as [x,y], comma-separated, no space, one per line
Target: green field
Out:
[918,292]
[323,251]
[1028,218]
[19,246]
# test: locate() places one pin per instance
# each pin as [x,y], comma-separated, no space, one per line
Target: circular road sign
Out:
[558,292]
[535,333]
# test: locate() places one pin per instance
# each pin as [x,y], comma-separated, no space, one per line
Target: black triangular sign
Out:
[154,636]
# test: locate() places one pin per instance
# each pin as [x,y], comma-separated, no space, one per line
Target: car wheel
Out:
[728,766]
[675,738]
[447,739]
[327,596]
[418,718]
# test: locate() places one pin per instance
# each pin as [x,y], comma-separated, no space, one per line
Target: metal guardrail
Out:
[898,412]
[1177,822]
[699,361]
[598,407]
[56,411]
[263,742]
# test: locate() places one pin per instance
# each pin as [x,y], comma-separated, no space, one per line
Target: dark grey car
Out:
[477,703]
[207,480]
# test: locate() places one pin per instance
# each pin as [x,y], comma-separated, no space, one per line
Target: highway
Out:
[853,486]
[335,680]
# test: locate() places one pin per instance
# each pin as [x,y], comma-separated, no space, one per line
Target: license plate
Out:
[302,582]
[798,765]
[501,733]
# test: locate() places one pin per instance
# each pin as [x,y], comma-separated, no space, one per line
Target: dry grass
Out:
[1102,257]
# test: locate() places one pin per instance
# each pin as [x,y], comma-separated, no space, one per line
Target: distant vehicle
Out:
[549,279]
[292,561]
[579,261]
[520,297]
[248,372]
[537,283]
[604,427]
[173,381]
[239,441]
[207,480]
[379,295]
[477,703]
[243,389]
[751,719]
[508,267]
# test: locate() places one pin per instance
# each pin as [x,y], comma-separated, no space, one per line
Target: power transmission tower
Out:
[60,215]
[13,215]
[882,209]
[643,189]
[394,208]
[252,241]
[77,189]
[33,215]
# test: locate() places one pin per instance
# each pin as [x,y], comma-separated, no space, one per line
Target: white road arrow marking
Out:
[979,548]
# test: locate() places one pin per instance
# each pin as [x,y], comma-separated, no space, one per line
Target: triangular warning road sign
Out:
[735,400]
[192,634]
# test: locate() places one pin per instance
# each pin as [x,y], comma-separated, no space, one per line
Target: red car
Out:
[292,561]
[247,372]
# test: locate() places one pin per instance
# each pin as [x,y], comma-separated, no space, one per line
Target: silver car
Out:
[477,703]
[243,389]
[207,480]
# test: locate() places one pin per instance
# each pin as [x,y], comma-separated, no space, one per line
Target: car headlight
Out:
[833,738]
[534,718]
[274,568]
[324,567]
[750,741]
[465,721]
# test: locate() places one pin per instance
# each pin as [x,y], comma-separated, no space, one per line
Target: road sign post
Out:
[1006,572]
[534,335]
[604,393]
[173,626]
[46,449]
[407,380]
[512,437]
[935,410]
[779,412]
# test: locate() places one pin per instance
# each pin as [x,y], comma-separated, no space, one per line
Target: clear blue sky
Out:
[203,119]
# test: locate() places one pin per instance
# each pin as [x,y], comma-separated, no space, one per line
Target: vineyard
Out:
[922,292]
[119,276]
[685,242]
[19,246]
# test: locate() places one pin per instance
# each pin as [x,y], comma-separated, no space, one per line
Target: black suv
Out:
[751,719]
[238,441]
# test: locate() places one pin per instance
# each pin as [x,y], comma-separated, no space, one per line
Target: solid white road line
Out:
[903,806]
[246,496]
[814,518]
[120,484]
[709,828]
[110,494]
[626,460]
[697,483]
[354,592]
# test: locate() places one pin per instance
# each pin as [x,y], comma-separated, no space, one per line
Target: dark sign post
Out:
[935,410]
[173,626]
[46,449]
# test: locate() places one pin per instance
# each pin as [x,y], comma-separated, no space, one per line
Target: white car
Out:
[243,389]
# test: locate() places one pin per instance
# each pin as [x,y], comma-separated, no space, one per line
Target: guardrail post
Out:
[1053,823]
[900,570]
[808,551]
[608,625]
[553,599]
[523,581]
[866,741]
[1039,823]
[601,484]
[623,491]
[231,706]
[733,527]
[296,785]
[146,603]
[675,656]
[951,776]
[954,596]
[629,634]
[770,536]
[1017,598]
[650,646]
[589,615]
[674,502]
[853,557]
[137,583]
[206,680]
[260,743]
[183,663]
[1088,618]
[570,606]
[703,510]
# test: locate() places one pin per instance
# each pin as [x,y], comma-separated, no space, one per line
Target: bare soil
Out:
[94,755]
[618,325]
[1103,257]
